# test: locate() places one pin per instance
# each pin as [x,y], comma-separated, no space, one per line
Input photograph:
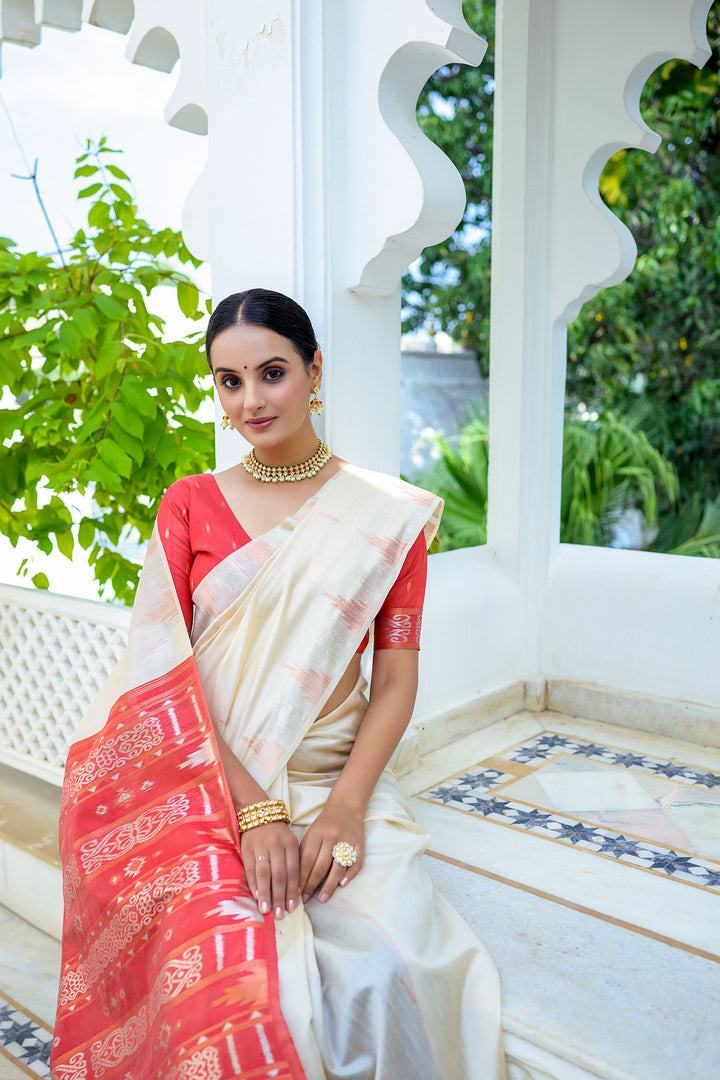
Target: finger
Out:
[248,862]
[292,865]
[350,872]
[279,881]
[263,878]
[309,851]
[337,873]
[319,872]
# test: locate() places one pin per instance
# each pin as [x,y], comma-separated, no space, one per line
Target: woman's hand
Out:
[271,860]
[317,865]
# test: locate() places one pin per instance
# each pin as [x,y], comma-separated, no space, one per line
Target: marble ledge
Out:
[655,905]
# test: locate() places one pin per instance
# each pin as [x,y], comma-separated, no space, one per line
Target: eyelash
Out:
[231,382]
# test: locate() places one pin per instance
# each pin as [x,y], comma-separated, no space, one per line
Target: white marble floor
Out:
[29,976]
[585,857]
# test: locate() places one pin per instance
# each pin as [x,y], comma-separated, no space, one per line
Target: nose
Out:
[254,399]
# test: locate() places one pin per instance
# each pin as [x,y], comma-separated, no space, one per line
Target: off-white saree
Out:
[384,981]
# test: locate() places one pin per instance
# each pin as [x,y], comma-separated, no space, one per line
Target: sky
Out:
[69,88]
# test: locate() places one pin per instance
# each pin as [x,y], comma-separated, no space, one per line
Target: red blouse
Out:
[198,530]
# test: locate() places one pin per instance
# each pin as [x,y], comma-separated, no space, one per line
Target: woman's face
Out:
[263,384]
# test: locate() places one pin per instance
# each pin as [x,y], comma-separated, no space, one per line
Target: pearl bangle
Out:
[262,813]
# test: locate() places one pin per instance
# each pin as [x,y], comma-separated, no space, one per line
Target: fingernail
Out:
[291,905]
[305,898]
[345,881]
[278,913]
[322,897]
[264,907]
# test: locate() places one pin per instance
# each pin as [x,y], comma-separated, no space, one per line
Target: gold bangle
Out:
[262,813]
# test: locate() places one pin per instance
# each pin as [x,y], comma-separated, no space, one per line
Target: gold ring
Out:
[344,853]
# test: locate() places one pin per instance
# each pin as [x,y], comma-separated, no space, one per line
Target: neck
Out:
[291,452]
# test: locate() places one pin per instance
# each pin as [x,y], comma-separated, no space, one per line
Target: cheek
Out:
[291,391]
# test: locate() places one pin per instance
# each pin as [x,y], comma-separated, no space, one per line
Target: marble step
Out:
[30,874]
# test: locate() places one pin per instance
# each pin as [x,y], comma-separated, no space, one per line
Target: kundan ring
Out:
[345,854]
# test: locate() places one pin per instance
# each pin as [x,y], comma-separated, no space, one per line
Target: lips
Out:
[261,423]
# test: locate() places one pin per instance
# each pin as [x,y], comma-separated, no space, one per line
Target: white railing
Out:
[55,654]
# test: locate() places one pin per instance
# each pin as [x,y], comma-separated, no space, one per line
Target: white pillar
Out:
[568,81]
[322,186]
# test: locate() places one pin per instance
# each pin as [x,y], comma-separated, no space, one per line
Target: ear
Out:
[315,369]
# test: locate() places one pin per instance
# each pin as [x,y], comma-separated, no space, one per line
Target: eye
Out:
[274,373]
[230,382]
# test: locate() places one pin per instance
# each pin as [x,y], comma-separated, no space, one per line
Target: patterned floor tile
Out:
[25,1040]
[560,799]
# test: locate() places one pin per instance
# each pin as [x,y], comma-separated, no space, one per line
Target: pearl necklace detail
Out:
[279,474]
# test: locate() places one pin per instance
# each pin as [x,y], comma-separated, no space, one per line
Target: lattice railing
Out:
[55,654]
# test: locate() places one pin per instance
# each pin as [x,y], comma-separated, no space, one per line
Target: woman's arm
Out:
[392,698]
[269,852]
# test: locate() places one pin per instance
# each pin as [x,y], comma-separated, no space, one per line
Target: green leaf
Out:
[110,307]
[108,356]
[187,297]
[65,542]
[117,172]
[99,215]
[114,457]
[84,170]
[137,397]
[86,533]
[86,321]
[120,193]
[40,581]
[91,189]
[99,473]
[128,419]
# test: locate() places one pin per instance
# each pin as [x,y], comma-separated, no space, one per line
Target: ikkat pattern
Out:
[24,1040]
[659,816]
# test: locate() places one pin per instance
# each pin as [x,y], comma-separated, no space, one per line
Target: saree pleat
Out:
[384,980]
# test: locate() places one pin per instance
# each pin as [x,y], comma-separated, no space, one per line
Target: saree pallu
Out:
[168,969]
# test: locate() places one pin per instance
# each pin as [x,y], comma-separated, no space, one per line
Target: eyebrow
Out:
[259,367]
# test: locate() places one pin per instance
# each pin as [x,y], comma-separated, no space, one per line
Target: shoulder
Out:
[185,492]
[182,490]
[394,486]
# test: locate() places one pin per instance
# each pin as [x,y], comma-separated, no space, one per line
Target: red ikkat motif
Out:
[139,999]
[312,683]
[392,549]
[353,613]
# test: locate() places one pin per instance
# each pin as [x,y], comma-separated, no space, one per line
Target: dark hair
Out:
[263,307]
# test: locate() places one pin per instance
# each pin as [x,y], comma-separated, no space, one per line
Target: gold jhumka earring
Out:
[316,405]
[226,422]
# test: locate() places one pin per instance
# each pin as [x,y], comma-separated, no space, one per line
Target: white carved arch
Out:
[407,192]
[595,249]
[160,32]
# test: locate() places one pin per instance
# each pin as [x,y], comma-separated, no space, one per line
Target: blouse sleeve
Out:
[398,623]
[174,531]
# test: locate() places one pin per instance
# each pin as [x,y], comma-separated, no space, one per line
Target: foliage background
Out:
[100,423]
[654,338]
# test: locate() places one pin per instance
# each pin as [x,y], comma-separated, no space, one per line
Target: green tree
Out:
[98,403]
[657,334]
[608,466]
[653,337]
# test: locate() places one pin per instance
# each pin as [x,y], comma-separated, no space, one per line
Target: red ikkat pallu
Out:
[168,970]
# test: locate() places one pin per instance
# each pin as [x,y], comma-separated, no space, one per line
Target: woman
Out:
[243,884]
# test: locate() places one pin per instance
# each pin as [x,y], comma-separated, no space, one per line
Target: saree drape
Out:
[168,969]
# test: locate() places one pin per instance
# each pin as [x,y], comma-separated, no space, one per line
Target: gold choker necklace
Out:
[278,474]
